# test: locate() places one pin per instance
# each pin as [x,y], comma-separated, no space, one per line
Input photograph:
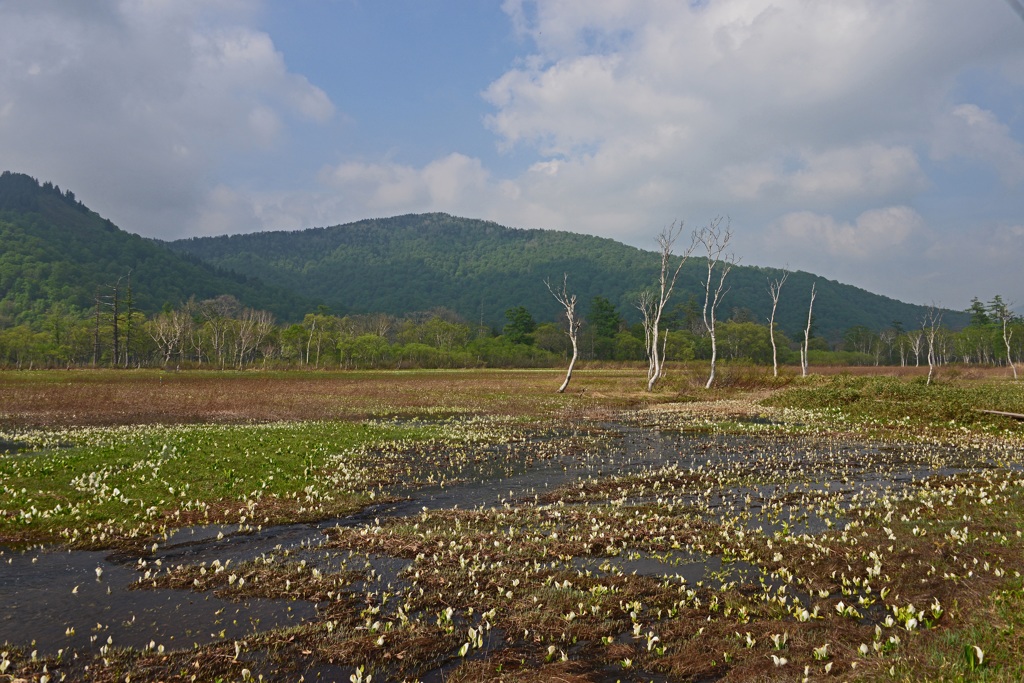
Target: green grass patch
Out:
[95,486]
[909,406]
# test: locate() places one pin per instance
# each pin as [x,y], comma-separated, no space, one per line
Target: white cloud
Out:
[835,175]
[138,103]
[763,104]
[974,133]
[874,234]
[455,183]
[226,211]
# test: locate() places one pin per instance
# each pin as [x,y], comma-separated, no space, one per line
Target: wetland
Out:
[463,526]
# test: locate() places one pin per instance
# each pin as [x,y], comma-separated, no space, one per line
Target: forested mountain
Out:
[480,269]
[55,251]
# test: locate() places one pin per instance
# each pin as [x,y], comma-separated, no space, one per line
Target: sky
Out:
[875,142]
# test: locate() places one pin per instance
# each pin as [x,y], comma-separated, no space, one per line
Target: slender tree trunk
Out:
[116,357]
[1007,335]
[96,332]
[568,302]
[932,320]
[774,289]
[714,357]
[652,306]
[664,348]
[804,352]
[572,364]
[128,324]
[715,242]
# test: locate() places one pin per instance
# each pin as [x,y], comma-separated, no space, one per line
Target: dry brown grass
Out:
[84,397]
[63,398]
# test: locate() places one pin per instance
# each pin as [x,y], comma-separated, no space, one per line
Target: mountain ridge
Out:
[56,250]
[480,268]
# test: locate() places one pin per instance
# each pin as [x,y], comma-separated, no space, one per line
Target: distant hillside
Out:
[54,249]
[480,269]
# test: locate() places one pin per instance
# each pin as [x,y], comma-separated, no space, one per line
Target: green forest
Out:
[413,291]
[57,252]
[480,269]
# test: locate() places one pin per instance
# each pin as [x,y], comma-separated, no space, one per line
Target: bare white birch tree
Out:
[652,304]
[568,302]
[169,331]
[1002,313]
[252,327]
[774,288]
[930,325]
[218,314]
[309,340]
[804,350]
[715,239]
[916,344]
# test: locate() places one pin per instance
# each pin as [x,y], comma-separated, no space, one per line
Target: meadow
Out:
[474,525]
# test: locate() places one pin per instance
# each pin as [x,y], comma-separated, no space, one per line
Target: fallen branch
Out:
[1015,416]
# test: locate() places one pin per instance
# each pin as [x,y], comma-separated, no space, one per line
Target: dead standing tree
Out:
[715,239]
[931,323]
[805,349]
[1004,316]
[652,304]
[774,289]
[568,302]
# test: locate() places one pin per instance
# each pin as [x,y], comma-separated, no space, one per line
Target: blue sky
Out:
[875,142]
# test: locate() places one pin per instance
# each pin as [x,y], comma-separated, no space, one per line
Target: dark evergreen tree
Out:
[520,326]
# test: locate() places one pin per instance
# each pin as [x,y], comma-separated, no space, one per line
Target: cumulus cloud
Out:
[970,132]
[874,234]
[750,106]
[454,180]
[869,171]
[138,104]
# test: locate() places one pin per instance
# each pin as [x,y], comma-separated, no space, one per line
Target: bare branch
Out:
[774,290]
[930,324]
[715,238]
[652,305]
[568,302]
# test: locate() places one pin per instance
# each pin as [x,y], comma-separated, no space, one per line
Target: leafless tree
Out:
[645,304]
[774,288]
[930,325]
[568,302]
[807,333]
[379,324]
[886,340]
[715,238]
[320,329]
[252,327]
[170,330]
[218,314]
[129,302]
[198,334]
[916,345]
[309,340]
[652,304]
[1002,313]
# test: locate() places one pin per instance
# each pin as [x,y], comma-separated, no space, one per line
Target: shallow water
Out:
[46,592]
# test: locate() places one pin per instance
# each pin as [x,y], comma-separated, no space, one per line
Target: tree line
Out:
[222,333]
